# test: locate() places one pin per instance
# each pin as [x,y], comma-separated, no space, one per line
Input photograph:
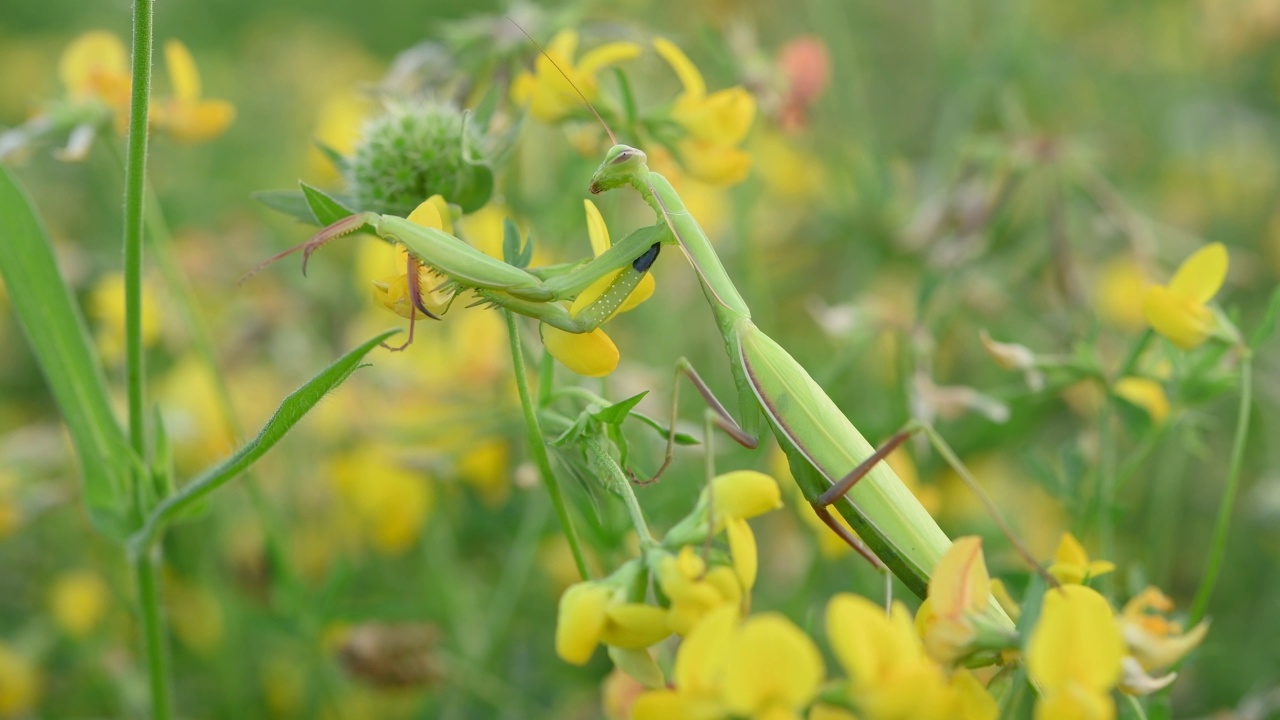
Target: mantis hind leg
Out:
[716,417]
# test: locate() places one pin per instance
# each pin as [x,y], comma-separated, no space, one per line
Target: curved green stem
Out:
[538,446]
[1218,546]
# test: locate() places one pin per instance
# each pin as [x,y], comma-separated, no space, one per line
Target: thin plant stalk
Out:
[538,446]
[148,588]
[1218,546]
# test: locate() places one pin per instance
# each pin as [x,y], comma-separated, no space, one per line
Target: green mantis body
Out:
[821,444]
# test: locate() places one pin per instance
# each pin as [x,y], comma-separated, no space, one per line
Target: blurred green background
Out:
[972,164]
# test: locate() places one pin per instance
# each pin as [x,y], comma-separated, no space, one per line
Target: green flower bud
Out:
[415,151]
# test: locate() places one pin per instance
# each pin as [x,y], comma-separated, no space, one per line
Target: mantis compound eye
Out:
[623,156]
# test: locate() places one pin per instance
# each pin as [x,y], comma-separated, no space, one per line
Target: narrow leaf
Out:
[286,416]
[326,208]
[60,342]
[290,202]
[339,161]
[663,430]
[617,412]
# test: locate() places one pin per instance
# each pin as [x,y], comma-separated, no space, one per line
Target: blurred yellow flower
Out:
[593,354]
[78,601]
[186,115]
[106,307]
[389,503]
[762,668]
[1119,281]
[1178,310]
[1074,654]
[95,67]
[1071,564]
[485,468]
[1146,394]
[549,95]
[20,683]
[195,614]
[715,124]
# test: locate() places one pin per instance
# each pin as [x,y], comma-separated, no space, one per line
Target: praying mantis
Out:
[832,462]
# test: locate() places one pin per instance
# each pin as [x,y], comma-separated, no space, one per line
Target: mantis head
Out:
[621,166]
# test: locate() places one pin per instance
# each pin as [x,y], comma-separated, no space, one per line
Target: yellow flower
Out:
[714,124]
[392,291]
[78,602]
[389,502]
[1071,564]
[1120,280]
[959,591]
[95,67]
[195,613]
[890,676]
[1153,640]
[593,354]
[764,667]
[1074,655]
[106,306]
[694,590]
[1178,311]
[20,683]
[549,95]
[592,613]
[187,116]
[737,496]
[1146,394]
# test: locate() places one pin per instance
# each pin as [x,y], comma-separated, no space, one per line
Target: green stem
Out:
[1218,546]
[538,446]
[148,588]
[1106,499]
[135,184]
[619,482]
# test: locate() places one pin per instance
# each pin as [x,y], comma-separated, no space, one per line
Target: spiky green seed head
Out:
[414,151]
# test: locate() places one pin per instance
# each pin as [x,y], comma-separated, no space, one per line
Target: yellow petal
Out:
[1146,394]
[1076,642]
[723,117]
[668,704]
[580,621]
[183,75]
[960,583]
[196,121]
[771,664]
[694,86]
[704,651]
[1002,596]
[93,55]
[563,46]
[1075,703]
[634,625]
[596,229]
[742,546]
[607,54]
[714,162]
[1200,276]
[591,354]
[972,699]
[431,213]
[744,494]
[1184,321]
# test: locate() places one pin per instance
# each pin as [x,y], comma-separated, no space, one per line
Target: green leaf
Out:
[290,202]
[681,438]
[325,208]
[291,410]
[617,412]
[60,342]
[474,188]
[512,251]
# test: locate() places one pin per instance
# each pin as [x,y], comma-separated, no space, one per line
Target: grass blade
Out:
[291,410]
[53,325]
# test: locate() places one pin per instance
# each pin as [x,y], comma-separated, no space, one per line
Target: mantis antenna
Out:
[612,138]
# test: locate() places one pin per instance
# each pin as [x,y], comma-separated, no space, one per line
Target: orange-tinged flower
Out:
[1178,310]
[187,116]
[549,94]
[715,124]
[1074,655]
[959,591]
[1154,640]
[1071,564]
[95,66]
